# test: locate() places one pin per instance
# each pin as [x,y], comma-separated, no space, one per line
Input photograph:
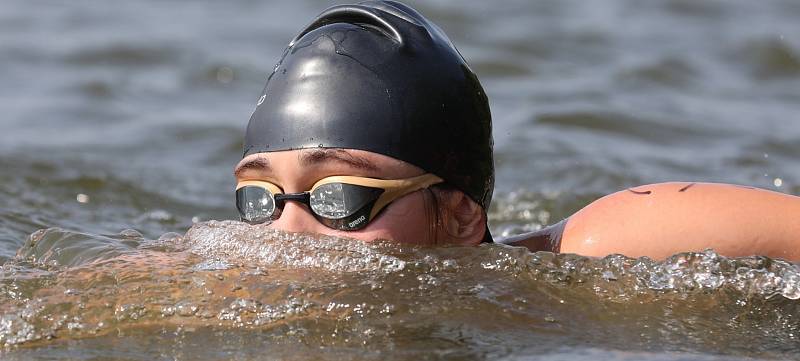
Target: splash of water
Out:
[267,247]
[325,291]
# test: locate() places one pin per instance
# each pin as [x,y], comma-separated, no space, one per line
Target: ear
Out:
[463,220]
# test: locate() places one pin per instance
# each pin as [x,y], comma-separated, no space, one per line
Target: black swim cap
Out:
[378,76]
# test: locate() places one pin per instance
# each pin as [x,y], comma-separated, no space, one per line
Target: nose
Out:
[296,217]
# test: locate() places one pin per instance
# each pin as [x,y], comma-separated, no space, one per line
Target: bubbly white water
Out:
[229,277]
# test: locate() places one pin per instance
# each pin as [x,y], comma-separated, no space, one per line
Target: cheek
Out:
[404,220]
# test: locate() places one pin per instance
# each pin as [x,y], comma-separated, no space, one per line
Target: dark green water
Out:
[129,116]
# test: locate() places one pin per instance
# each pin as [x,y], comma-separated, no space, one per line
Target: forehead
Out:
[329,160]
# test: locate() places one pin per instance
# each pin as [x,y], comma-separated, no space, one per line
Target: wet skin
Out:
[656,220]
[659,220]
[407,219]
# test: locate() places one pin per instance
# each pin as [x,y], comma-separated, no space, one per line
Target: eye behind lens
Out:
[342,200]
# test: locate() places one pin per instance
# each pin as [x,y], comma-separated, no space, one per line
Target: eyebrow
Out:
[311,157]
[257,164]
[317,156]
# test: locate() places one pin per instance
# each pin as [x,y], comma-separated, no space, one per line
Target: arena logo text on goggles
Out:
[346,203]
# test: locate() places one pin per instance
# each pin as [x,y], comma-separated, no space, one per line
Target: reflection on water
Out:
[229,285]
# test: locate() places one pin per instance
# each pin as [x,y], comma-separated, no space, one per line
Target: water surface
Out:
[228,289]
[121,124]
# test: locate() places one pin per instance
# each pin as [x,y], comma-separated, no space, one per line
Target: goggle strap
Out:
[269,186]
[401,188]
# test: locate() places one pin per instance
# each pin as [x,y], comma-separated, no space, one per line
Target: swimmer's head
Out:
[377,77]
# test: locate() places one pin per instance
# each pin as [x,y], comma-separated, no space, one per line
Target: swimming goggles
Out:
[345,203]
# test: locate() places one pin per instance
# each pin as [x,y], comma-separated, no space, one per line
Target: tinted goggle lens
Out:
[343,206]
[341,200]
[255,204]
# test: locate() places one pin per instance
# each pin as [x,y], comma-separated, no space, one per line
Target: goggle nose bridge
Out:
[302,197]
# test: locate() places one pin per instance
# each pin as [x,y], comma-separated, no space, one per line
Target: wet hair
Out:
[434,214]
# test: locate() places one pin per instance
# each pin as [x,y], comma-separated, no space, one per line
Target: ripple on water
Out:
[669,72]
[625,126]
[221,277]
[127,55]
[770,59]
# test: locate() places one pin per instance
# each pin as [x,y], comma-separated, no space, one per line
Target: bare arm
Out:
[659,220]
[546,239]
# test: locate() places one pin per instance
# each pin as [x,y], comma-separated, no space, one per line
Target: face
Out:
[406,219]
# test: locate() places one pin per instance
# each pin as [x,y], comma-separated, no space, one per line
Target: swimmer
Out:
[372,126]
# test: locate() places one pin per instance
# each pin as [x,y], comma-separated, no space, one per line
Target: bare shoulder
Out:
[546,239]
[658,220]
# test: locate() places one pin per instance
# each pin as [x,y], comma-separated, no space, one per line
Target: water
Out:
[121,124]
[229,288]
